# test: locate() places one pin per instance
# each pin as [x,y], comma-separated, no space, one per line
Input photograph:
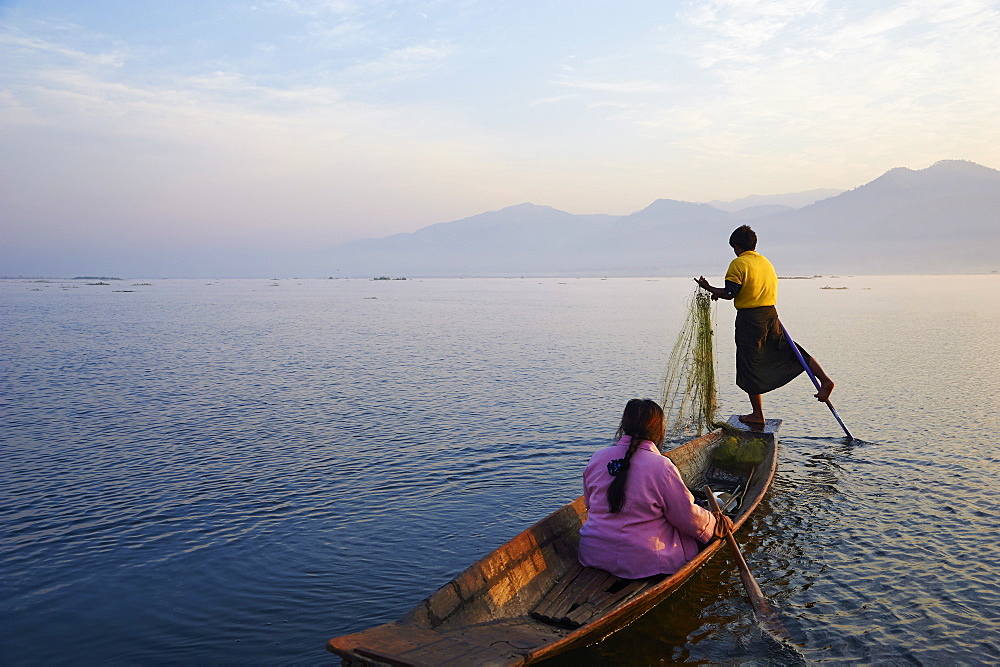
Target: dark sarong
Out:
[764,359]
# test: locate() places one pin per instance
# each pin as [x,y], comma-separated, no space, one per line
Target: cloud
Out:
[640,86]
[737,30]
[16,44]
[407,62]
[341,35]
[164,156]
[553,99]
[317,8]
[361,119]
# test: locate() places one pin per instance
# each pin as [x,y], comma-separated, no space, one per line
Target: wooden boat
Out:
[530,599]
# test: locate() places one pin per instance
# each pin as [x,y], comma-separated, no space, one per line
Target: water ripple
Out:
[233,472]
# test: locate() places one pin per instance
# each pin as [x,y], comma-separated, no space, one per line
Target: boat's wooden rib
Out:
[547,609]
[530,598]
[585,593]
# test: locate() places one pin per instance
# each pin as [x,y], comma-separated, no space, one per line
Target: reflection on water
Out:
[236,472]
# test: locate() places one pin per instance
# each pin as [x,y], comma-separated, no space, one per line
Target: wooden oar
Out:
[815,381]
[762,608]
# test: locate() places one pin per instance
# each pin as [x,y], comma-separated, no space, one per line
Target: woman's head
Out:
[643,420]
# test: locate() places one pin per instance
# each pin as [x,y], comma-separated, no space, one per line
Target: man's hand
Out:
[702,283]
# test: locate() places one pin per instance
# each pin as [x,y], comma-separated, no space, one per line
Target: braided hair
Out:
[642,420]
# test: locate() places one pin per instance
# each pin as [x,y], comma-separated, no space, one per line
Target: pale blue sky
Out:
[234,123]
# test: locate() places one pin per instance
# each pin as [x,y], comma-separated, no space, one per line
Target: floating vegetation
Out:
[387,278]
[142,284]
[101,283]
[123,290]
[688,388]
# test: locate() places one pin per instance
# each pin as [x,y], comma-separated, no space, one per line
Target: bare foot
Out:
[824,392]
[753,419]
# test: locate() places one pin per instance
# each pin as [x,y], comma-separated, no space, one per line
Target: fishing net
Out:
[688,388]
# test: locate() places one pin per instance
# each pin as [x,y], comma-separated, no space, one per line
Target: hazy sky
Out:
[142,126]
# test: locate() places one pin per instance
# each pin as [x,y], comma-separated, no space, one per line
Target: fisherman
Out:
[764,358]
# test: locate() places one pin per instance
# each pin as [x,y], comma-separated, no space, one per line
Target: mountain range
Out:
[942,219]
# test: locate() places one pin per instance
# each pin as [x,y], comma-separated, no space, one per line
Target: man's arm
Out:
[728,292]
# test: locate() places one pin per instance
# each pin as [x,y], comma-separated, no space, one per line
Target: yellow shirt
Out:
[757,279]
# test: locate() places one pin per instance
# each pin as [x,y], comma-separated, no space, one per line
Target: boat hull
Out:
[490,613]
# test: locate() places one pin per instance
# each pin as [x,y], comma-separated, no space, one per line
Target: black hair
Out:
[642,420]
[744,237]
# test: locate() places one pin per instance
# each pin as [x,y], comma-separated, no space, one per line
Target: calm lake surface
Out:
[210,472]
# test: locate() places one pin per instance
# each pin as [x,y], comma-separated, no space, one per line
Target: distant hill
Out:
[791,200]
[518,239]
[943,219]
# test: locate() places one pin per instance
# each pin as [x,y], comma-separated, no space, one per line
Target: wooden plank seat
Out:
[586,593]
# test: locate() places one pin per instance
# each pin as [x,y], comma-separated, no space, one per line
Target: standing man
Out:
[764,359]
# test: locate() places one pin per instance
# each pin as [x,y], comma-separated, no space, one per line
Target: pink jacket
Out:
[658,528]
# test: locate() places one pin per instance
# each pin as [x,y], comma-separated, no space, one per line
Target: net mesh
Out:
[688,389]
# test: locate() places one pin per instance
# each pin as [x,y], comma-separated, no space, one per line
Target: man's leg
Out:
[757,416]
[825,383]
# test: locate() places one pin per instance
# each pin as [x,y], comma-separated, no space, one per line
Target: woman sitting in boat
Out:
[642,520]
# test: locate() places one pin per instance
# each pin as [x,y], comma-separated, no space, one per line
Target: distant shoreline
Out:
[526,276]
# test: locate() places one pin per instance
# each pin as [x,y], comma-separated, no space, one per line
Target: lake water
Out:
[235,471]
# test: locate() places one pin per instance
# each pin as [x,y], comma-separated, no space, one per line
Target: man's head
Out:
[743,238]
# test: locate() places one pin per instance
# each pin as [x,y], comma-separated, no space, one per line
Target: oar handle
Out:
[753,589]
[815,381]
[760,604]
[798,355]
